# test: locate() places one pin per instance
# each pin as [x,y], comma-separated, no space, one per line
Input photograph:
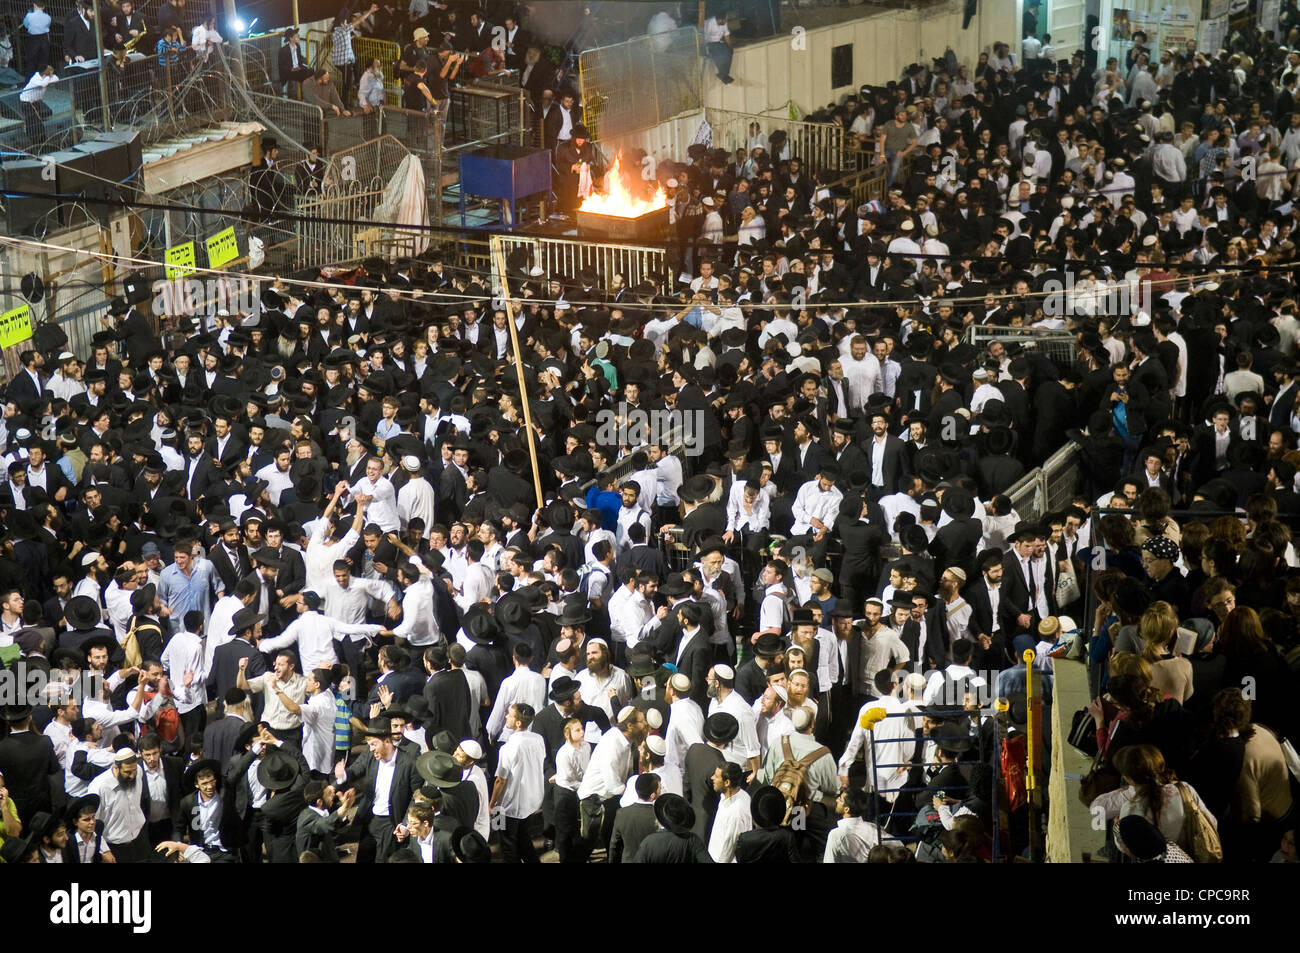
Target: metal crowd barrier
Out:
[981,756]
[819,145]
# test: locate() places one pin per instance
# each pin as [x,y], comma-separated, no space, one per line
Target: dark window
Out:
[842,66]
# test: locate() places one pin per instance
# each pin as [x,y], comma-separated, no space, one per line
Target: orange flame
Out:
[623,195]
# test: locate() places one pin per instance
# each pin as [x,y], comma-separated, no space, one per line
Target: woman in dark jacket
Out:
[1143,717]
[1255,664]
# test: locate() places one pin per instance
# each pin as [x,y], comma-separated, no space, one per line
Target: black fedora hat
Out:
[676,585]
[640,664]
[674,813]
[767,806]
[469,846]
[564,688]
[190,778]
[768,645]
[245,737]
[82,613]
[575,616]
[438,768]
[721,728]
[278,770]
[379,727]
[481,628]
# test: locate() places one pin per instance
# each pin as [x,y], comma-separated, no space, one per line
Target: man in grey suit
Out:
[321,819]
[636,822]
[399,777]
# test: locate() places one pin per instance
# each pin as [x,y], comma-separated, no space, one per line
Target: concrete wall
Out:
[1070,833]
[776,71]
[771,74]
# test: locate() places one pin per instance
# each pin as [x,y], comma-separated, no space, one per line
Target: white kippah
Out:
[725,672]
[656,744]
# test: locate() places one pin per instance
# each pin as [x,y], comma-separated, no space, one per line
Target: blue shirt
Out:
[37,22]
[182,594]
[608,503]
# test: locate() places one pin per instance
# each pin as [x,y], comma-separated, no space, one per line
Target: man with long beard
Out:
[119,808]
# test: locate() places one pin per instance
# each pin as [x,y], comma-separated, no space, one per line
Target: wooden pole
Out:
[499,266]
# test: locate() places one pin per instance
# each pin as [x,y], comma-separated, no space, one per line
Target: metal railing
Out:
[337,223]
[641,83]
[922,824]
[819,145]
[303,122]
[1057,346]
[564,256]
[865,185]
[1050,487]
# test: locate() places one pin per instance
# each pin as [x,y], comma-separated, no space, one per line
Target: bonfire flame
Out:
[624,195]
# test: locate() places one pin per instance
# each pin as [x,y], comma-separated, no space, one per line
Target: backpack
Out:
[584,579]
[791,777]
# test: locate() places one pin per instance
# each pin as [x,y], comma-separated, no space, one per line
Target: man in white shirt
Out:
[521,685]
[318,721]
[611,764]
[314,634]
[744,749]
[204,39]
[519,786]
[378,489]
[183,661]
[416,498]
[118,790]
[419,626]
[733,816]
[816,507]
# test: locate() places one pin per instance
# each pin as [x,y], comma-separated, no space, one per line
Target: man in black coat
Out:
[207,781]
[702,759]
[1019,608]
[566,703]
[227,660]
[155,767]
[222,737]
[447,693]
[381,818]
[29,766]
[634,823]
[695,654]
[892,463]
[860,536]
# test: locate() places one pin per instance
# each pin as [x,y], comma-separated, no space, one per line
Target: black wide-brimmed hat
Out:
[721,728]
[674,813]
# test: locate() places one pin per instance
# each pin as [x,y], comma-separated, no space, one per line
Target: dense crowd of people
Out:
[322,581]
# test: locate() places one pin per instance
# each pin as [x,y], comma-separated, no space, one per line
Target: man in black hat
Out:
[28,764]
[206,816]
[386,780]
[571,156]
[702,760]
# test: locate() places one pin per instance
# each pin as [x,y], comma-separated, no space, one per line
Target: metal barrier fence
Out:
[343,224]
[156,99]
[388,54]
[485,115]
[1050,487]
[1057,346]
[820,145]
[641,83]
[303,123]
[982,756]
[563,256]
[865,185]
[61,10]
